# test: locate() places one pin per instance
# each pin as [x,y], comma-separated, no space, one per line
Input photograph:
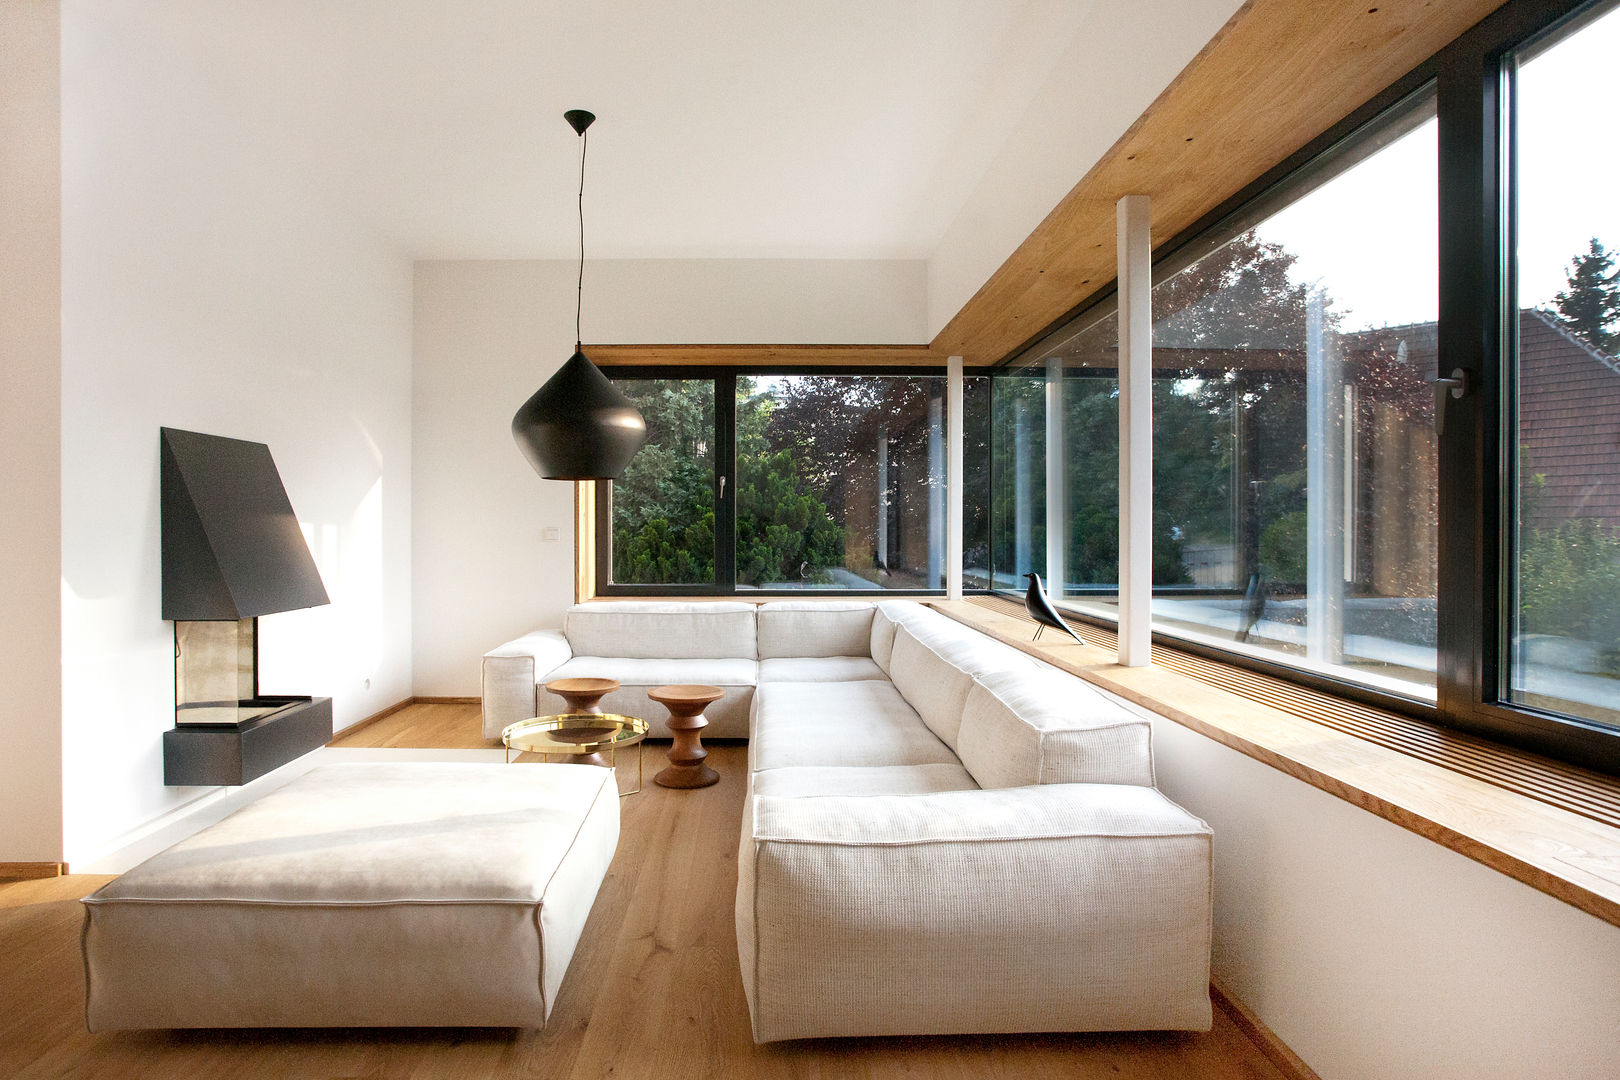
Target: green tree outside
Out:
[1589,307]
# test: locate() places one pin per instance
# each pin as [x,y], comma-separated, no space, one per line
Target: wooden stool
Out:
[686,723]
[583,696]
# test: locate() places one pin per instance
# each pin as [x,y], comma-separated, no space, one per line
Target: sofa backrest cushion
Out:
[887,615]
[932,685]
[662,630]
[882,643]
[815,628]
[934,664]
[1044,726]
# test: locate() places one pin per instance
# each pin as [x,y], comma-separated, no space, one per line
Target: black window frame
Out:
[1470,84]
[1478,332]
[725,507]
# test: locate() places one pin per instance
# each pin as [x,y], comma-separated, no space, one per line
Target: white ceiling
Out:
[727,128]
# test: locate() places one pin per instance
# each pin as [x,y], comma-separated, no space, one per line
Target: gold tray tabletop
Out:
[574,733]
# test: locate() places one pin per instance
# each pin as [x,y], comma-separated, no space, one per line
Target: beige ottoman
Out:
[418,894]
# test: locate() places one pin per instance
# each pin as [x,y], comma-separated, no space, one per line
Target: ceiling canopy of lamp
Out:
[579,426]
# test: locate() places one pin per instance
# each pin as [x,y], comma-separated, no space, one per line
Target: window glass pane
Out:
[1295,464]
[1294,471]
[1563,603]
[663,505]
[840,482]
[1068,403]
[976,489]
[1018,501]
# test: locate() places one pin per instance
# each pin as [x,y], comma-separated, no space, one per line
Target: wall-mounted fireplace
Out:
[232,551]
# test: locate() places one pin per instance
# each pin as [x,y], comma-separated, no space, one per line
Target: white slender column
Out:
[1135,431]
[936,491]
[1057,502]
[1023,491]
[954,517]
[1324,490]
[883,496]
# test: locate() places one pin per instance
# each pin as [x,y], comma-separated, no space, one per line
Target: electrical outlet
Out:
[551,534]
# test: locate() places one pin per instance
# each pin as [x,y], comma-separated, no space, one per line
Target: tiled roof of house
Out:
[1569,422]
[1569,411]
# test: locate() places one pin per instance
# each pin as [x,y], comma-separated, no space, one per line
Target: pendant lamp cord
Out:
[579,293]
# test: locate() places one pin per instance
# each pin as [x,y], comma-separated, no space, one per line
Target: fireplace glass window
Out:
[215,677]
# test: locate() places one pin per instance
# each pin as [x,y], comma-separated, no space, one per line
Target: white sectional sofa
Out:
[941,833]
[733,646]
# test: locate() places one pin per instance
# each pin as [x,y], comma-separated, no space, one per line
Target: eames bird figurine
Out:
[1041,610]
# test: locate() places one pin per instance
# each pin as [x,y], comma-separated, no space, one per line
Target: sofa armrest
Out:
[511,672]
[1060,907]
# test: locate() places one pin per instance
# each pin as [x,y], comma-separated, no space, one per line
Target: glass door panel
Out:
[1562,600]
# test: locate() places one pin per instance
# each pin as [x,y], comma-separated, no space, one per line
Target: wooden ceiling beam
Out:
[1277,75]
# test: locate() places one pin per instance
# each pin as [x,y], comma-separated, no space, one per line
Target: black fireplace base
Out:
[228,755]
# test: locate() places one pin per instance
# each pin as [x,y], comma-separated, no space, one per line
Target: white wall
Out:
[206,284]
[1125,53]
[1378,955]
[30,432]
[489,333]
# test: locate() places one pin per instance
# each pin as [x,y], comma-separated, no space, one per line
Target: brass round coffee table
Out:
[579,738]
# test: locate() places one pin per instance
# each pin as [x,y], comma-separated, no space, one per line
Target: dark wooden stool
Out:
[686,723]
[584,696]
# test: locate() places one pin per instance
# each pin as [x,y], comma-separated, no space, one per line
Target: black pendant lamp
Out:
[579,426]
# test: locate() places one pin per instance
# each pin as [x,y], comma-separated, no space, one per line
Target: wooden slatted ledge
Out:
[1551,826]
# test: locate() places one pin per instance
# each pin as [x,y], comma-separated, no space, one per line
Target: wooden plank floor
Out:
[653,991]
[423,726]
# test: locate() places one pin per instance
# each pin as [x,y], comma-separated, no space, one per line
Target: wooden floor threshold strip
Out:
[1552,826]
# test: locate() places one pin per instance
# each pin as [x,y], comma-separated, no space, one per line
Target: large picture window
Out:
[1386,440]
[788,482]
[1386,406]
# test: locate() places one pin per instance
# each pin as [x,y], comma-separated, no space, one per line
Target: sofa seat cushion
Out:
[815,628]
[818,669]
[728,717]
[850,723]
[1045,726]
[662,629]
[419,893]
[813,780]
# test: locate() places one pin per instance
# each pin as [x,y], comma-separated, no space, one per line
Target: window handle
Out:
[1455,387]
[722,485]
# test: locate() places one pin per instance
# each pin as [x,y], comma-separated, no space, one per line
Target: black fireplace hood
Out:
[232,548]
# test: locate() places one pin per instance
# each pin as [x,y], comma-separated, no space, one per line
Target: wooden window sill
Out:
[1551,834]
